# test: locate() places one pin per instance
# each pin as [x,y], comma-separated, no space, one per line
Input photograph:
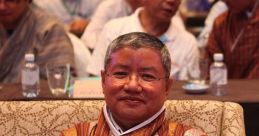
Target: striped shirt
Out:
[36,33]
[237,37]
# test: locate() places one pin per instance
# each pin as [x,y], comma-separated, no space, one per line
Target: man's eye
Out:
[148,77]
[120,75]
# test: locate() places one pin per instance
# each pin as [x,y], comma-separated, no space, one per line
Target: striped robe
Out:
[159,127]
[36,33]
[243,60]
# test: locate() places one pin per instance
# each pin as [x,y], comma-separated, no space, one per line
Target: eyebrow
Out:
[149,69]
[126,67]
[122,66]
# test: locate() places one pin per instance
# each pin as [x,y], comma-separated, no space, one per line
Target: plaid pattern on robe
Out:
[243,61]
[159,127]
[36,33]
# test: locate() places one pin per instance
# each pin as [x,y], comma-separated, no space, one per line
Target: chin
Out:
[165,18]
[133,116]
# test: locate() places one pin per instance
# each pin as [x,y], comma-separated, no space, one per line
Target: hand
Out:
[77,27]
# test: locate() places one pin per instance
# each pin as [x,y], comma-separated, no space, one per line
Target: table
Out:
[240,91]
[13,92]
[244,92]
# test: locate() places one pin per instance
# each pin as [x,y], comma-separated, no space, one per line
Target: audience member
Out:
[103,14]
[135,84]
[154,18]
[27,30]
[235,34]
[74,13]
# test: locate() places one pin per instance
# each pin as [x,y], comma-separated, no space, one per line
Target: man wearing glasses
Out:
[27,30]
[135,83]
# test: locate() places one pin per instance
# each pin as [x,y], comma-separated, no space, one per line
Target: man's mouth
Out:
[132,99]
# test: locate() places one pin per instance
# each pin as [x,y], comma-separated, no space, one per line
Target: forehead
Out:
[136,58]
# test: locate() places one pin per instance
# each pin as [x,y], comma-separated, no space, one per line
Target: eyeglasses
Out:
[9,3]
[142,77]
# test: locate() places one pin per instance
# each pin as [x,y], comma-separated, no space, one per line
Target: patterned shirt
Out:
[160,126]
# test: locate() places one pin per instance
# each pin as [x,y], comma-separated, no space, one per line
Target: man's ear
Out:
[169,85]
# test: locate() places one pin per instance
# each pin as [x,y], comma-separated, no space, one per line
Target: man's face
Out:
[131,87]
[238,6]
[162,9]
[11,11]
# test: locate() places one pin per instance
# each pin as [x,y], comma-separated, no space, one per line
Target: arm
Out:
[54,46]
[97,60]
[102,15]
[215,11]
[214,43]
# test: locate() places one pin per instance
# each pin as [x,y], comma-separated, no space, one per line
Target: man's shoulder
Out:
[45,23]
[175,29]
[118,23]
[182,35]
[43,19]
[110,3]
[119,26]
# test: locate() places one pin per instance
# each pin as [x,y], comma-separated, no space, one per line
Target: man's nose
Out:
[133,84]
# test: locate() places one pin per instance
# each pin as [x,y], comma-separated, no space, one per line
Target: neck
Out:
[153,25]
[125,125]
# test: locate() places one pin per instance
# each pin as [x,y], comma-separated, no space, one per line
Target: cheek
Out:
[111,88]
[155,91]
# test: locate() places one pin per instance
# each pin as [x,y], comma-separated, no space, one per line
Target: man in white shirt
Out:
[74,13]
[111,9]
[155,19]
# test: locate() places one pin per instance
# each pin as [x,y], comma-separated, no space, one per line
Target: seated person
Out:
[155,19]
[27,30]
[74,13]
[135,84]
[103,14]
[235,34]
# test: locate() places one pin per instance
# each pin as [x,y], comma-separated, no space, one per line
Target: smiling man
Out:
[24,29]
[135,84]
[154,18]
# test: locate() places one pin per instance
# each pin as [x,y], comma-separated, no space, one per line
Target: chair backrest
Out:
[48,118]
[213,117]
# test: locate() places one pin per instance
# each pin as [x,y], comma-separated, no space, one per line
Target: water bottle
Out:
[218,75]
[30,77]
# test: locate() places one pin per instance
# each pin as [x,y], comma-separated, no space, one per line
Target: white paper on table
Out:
[88,88]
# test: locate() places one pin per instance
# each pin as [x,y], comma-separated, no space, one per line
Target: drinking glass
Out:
[201,75]
[58,75]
